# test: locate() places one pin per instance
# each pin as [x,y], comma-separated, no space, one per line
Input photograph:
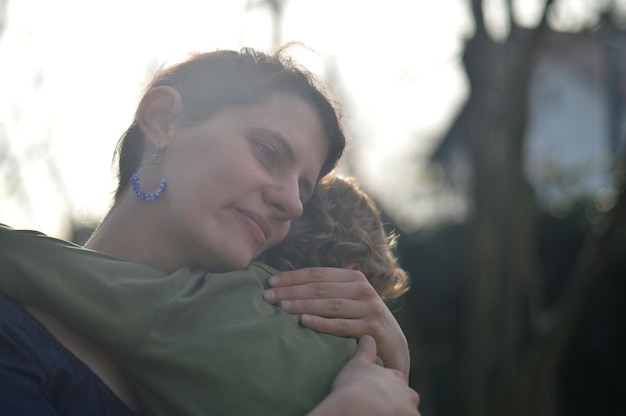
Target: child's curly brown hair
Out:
[341,226]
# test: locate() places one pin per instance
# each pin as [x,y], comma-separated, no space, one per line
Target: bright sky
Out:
[72,72]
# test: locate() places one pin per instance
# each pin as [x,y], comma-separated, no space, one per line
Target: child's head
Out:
[341,227]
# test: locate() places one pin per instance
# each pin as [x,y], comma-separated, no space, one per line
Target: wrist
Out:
[398,357]
[343,401]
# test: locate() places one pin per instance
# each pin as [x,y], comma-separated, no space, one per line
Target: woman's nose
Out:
[285,199]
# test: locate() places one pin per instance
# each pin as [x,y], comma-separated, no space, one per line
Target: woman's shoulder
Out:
[92,356]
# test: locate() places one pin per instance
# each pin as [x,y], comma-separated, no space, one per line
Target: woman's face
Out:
[236,180]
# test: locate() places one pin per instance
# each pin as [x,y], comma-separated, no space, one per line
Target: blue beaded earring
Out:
[137,187]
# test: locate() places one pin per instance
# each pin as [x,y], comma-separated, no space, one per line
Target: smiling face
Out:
[236,180]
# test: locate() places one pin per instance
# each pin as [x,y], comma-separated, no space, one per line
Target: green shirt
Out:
[192,342]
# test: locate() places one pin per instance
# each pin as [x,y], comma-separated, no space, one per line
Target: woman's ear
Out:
[157,115]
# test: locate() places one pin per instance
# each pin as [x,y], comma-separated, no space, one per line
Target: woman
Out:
[239,140]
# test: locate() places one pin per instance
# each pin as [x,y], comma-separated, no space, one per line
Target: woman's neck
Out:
[128,233]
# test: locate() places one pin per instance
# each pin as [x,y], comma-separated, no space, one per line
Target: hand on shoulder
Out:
[341,302]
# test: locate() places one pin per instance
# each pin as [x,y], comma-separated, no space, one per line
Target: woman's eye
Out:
[266,152]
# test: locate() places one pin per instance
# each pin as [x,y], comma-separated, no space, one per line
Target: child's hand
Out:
[341,302]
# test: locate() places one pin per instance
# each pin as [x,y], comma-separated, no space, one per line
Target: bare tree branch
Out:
[544,17]
[509,8]
[479,18]
[3,15]
[277,10]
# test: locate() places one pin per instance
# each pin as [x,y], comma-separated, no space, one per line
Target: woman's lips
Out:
[257,225]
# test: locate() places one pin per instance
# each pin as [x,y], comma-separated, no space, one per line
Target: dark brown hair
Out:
[209,82]
[341,225]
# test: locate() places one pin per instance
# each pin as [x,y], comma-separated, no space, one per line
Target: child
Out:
[341,227]
[194,342]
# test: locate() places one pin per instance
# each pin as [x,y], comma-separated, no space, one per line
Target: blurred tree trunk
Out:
[514,341]
[502,282]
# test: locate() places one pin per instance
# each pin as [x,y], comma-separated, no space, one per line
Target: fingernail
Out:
[274,280]
[286,304]
[366,340]
[269,295]
[306,319]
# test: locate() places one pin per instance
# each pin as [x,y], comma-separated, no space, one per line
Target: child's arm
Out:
[110,301]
